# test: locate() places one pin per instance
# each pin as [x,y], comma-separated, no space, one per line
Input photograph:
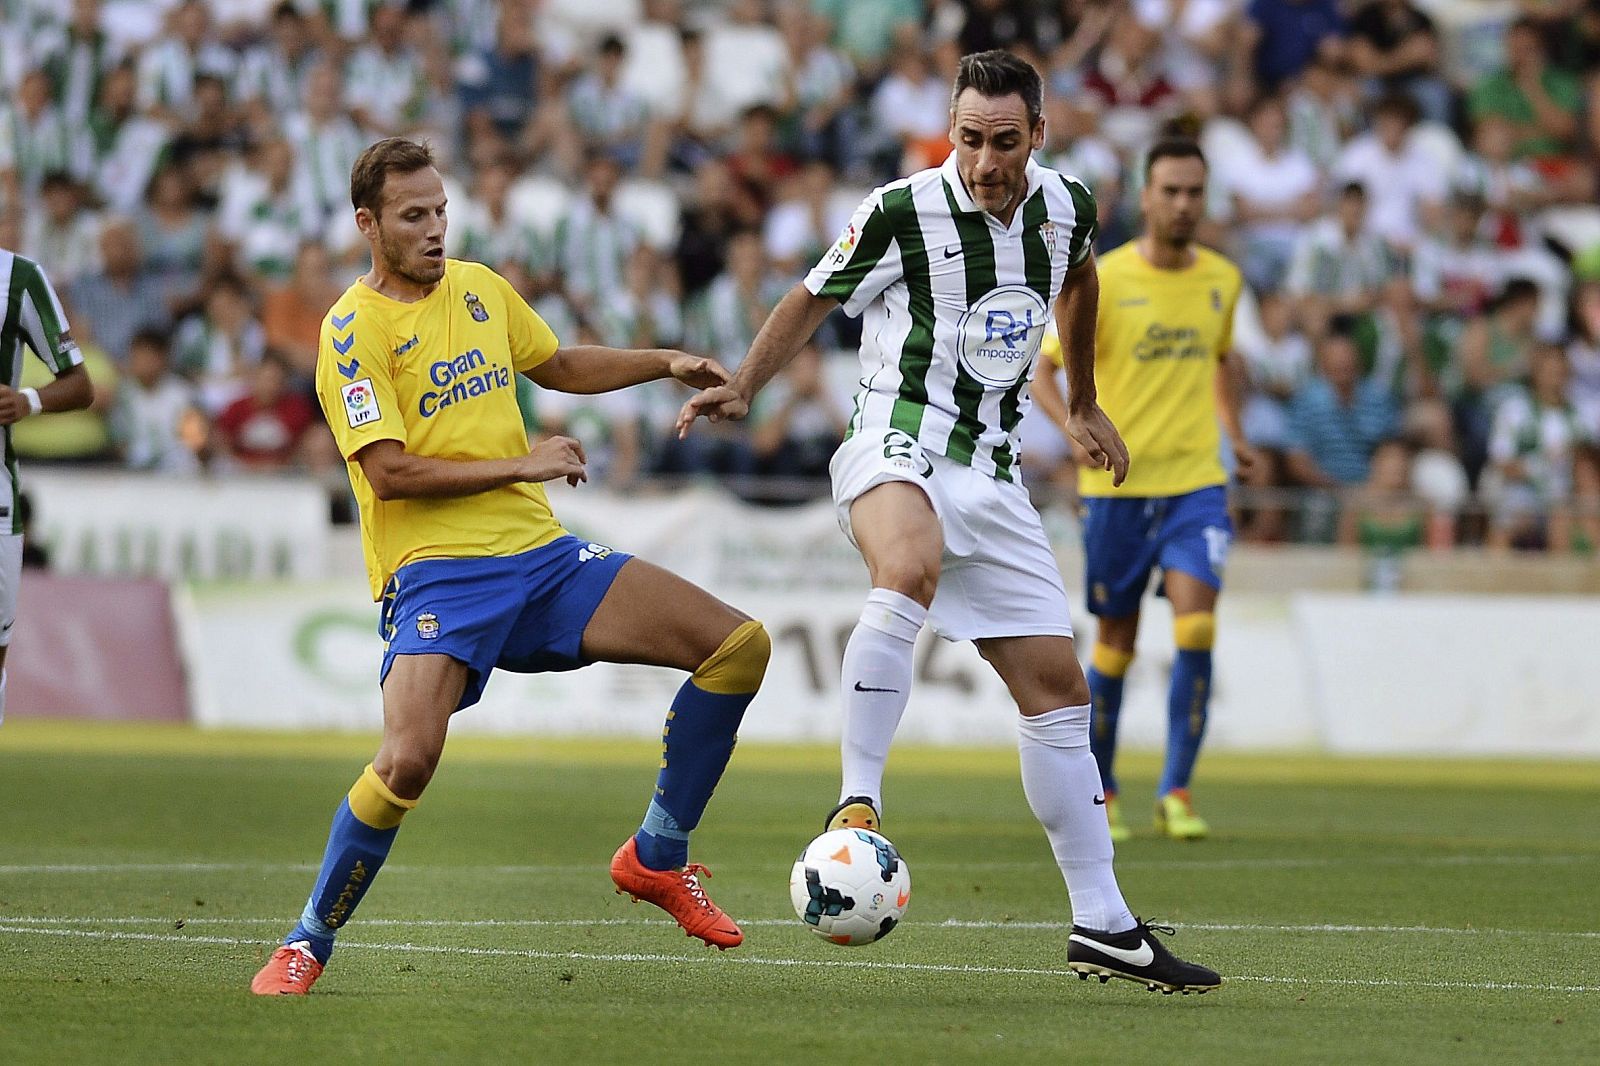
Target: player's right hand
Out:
[556,457]
[716,403]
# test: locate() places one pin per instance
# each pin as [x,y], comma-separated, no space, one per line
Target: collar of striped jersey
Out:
[958,188]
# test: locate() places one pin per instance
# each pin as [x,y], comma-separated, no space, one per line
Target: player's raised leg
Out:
[1188,702]
[652,616]
[898,534]
[419,694]
[1062,783]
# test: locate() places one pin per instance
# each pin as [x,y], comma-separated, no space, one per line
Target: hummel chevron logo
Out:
[1142,956]
[348,369]
[863,688]
[342,344]
[343,323]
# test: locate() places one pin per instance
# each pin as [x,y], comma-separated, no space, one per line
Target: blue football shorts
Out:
[1126,538]
[524,613]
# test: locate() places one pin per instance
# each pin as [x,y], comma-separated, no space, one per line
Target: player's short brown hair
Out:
[392,155]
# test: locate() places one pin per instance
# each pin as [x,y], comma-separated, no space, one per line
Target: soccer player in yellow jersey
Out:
[1163,376]
[474,573]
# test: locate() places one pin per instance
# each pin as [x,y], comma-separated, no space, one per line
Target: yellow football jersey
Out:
[1159,338]
[439,376]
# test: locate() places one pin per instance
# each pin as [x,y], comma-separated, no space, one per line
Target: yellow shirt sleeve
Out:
[355,384]
[1051,348]
[531,339]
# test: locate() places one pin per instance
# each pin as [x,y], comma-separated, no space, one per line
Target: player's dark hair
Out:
[392,155]
[998,73]
[1171,148]
[1353,190]
[1518,288]
[151,337]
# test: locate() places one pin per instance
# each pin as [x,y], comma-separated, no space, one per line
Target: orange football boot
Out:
[678,892]
[290,972]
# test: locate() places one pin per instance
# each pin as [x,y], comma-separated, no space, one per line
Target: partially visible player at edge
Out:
[957,269]
[1165,327]
[473,571]
[33,317]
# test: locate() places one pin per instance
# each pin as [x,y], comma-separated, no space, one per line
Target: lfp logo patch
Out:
[360,402]
[428,626]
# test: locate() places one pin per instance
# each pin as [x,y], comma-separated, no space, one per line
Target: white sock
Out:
[1061,782]
[3,676]
[877,673]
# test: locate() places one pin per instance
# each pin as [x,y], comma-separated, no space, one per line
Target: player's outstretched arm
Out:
[592,368]
[784,333]
[396,474]
[1087,425]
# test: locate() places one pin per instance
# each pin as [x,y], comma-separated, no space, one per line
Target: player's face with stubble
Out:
[993,141]
[1174,199]
[410,228]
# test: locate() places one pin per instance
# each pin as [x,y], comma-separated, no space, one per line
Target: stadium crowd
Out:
[1408,189]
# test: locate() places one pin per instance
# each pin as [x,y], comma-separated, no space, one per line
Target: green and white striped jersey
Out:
[955,305]
[33,316]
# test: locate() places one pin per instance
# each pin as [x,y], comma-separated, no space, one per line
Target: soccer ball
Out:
[850,886]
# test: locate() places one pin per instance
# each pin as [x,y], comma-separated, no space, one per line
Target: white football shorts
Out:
[999,576]
[10,578]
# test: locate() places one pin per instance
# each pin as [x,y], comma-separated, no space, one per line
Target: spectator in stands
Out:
[819,119]
[1275,190]
[172,227]
[35,140]
[1339,267]
[802,225]
[502,82]
[127,144]
[1324,106]
[64,232]
[1393,45]
[911,114]
[593,240]
[292,311]
[1384,517]
[268,210]
[275,73]
[1543,102]
[325,140]
[868,30]
[384,79]
[1535,443]
[756,165]
[606,113]
[1455,273]
[156,422]
[489,234]
[1279,366]
[170,67]
[1338,418]
[1131,85]
[797,423]
[217,346]
[1494,354]
[736,303]
[1583,353]
[261,430]
[1288,35]
[121,297]
[710,218]
[1405,185]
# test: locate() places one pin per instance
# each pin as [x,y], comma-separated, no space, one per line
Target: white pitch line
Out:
[587,868]
[948,923]
[840,964]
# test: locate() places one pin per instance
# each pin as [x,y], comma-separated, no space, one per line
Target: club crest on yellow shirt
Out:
[475,307]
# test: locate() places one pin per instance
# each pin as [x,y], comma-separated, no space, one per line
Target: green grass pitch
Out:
[1369,911]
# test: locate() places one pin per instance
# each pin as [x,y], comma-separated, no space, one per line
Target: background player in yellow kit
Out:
[416,378]
[1161,371]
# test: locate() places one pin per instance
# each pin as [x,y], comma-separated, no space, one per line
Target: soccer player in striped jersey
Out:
[416,375]
[1165,327]
[957,270]
[33,318]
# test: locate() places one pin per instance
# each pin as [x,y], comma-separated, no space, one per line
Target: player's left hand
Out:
[1245,459]
[13,406]
[1091,430]
[698,372]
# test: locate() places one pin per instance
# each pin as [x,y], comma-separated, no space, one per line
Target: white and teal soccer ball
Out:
[850,886]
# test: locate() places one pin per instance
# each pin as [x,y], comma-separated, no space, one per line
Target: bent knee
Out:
[407,770]
[916,578]
[739,664]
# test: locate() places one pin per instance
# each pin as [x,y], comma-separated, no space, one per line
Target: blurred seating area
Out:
[1409,189]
